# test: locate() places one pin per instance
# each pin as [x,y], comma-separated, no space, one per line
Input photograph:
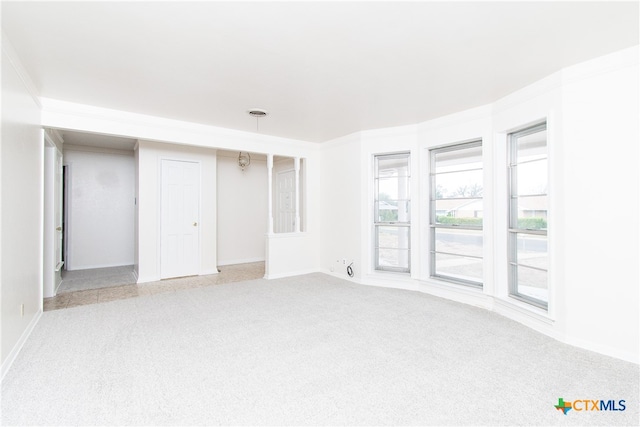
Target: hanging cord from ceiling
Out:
[244,160]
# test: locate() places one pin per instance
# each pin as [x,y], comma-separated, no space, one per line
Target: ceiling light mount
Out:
[257,112]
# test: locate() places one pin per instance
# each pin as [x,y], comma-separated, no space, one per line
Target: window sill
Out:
[391,279]
[513,306]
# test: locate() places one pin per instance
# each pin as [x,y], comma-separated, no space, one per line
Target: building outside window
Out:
[528,213]
[456,213]
[392,212]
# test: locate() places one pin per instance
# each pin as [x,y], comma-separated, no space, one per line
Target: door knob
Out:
[195,224]
[58,228]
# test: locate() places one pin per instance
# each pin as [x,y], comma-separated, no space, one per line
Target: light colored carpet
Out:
[304,350]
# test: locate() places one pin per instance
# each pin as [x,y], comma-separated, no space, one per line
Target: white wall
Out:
[290,254]
[600,229]
[341,201]
[21,171]
[100,208]
[242,209]
[150,155]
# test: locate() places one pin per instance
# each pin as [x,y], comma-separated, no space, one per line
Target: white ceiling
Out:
[321,69]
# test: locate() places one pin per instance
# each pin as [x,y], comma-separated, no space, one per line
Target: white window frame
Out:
[513,227]
[434,226]
[400,225]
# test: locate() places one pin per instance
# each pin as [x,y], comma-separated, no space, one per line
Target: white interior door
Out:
[286,202]
[52,219]
[57,194]
[179,224]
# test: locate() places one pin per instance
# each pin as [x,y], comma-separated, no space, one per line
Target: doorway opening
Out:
[241,215]
[97,211]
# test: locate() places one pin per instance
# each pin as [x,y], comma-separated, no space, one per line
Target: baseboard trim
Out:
[342,276]
[6,365]
[539,322]
[93,267]
[459,293]
[388,280]
[143,279]
[291,274]
[55,291]
[241,261]
[603,349]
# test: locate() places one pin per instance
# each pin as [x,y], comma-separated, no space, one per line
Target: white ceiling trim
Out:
[84,118]
[17,65]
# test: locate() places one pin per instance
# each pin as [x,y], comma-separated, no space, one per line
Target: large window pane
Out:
[392,165]
[458,268]
[393,259]
[393,247]
[393,237]
[532,177]
[393,188]
[459,212]
[459,184]
[532,212]
[462,242]
[456,201]
[458,158]
[532,283]
[531,143]
[532,251]
[392,212]
[528,215]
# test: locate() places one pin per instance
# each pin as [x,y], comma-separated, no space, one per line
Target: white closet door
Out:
[179,225]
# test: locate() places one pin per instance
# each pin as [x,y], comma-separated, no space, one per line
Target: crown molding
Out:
[601,65]
[16,63]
